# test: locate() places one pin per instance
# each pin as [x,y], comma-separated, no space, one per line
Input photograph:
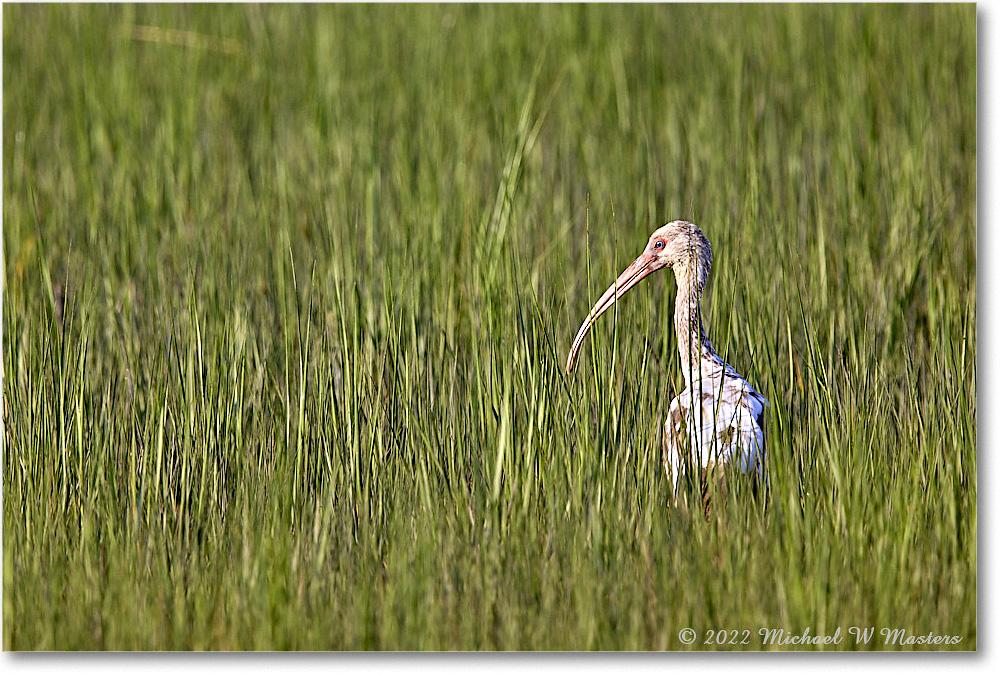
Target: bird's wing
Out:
[727,424]
[716,424]
[743,411]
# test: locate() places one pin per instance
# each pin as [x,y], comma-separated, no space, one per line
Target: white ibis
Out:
[718,417]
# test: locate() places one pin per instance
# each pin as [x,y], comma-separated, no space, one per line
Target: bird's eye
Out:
[658,244]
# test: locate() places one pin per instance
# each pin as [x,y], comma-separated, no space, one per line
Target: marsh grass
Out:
[288,292]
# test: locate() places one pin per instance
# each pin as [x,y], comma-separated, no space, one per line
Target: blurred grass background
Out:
[288,291]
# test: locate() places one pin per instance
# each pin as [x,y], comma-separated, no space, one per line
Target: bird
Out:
[718,420]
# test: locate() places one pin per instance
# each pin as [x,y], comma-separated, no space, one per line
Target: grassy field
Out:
[288,292]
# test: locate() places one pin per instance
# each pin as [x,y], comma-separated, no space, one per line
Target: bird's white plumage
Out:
[716,421]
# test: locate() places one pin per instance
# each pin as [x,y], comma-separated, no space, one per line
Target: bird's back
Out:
[717,420]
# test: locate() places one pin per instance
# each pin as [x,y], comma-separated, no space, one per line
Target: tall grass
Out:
[288,291]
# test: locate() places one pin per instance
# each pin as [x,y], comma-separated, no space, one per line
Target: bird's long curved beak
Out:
[641,268]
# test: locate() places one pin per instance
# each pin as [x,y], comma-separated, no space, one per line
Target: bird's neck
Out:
[692,342]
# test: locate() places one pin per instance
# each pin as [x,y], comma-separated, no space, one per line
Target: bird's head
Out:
[679,245]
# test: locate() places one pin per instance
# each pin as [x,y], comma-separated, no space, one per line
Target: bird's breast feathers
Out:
[719,418]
